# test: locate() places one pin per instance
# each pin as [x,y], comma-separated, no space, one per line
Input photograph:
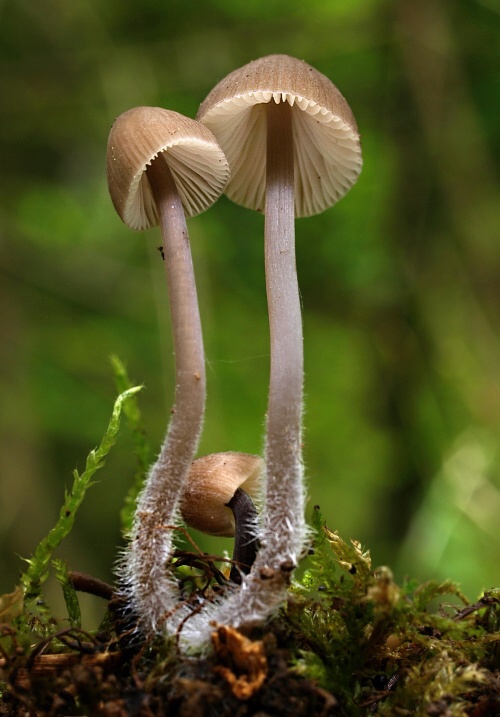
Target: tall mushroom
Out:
[162,166]
[293,149]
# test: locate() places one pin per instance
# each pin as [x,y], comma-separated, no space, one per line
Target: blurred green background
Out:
[400,281]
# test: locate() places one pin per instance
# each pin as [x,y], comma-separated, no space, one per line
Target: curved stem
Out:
[153,592]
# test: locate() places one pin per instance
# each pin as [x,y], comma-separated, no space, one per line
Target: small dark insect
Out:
[380,682]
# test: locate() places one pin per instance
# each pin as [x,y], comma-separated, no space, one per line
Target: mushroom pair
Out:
[293,150]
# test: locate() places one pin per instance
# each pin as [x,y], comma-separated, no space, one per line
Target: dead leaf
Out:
[245,662]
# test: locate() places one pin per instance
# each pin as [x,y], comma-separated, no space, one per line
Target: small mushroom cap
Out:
[327,152]
[197,163]
[211,483]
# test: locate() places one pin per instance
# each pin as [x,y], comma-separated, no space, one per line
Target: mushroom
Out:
[212,483]
[293,149]
[218,500]
[162,166]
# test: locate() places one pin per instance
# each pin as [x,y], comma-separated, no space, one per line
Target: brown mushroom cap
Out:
[211,483]
[327,152]
[197,163]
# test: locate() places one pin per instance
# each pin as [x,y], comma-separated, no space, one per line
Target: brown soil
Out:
[242,677]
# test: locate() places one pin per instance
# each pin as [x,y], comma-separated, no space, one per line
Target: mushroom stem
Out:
[284,528]
[284,532]
[246,542]
[153,590]
[185,315]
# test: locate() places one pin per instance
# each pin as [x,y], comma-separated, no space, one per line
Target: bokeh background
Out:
[400,281]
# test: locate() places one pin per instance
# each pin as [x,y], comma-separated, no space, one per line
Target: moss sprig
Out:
[142,449]
[39,564]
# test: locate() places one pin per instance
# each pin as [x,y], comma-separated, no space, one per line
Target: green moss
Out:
[372,642]
[36,615]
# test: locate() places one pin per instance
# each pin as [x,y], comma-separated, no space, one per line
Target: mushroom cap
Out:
[327,152]
[197,163]
[211,483]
